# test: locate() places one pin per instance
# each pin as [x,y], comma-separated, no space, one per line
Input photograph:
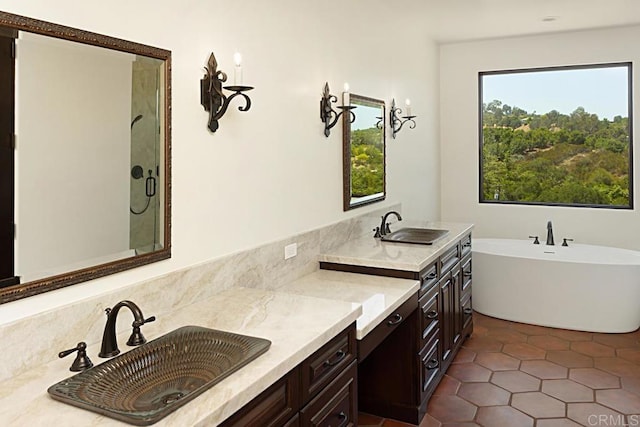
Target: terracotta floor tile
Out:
[548,342]
[484,394]
[368,420]
[568,391]
[587,414]
[631,384]
[530,329]
[570,359]
[429,421]
[593,349]
[479,330]
[571,335]
[448,386]
[490,322]
[469,372]
[617,366]
[544,369]
[460,425]
[516,381]
[524,351]
[506,335]
[450,408]
[618,340]
[594,378]
[464,355]
[503,416]
[538,405]
[479,343]
[497,361]
[557,422]
[620,400]
[630,355]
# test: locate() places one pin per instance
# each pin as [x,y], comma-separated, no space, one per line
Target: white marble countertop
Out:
[371,252]
[379,295]
[297,326]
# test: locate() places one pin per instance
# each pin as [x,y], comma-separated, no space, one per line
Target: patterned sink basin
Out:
[421,236]
[147,383]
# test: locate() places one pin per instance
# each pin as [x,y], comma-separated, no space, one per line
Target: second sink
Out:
[149,382]
[421,236]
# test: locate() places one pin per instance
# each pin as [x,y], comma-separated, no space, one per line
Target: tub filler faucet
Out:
[550,234]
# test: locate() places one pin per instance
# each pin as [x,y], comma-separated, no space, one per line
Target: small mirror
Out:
[363,159]
[87,181]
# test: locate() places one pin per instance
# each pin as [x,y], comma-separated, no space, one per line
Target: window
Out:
[557,136]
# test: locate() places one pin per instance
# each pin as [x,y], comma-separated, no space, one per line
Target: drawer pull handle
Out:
[467,274]
[397,318]
[431,275]
[431,314]
[339,356]
[433,364]
[467,244]
[468,310]
[344,418]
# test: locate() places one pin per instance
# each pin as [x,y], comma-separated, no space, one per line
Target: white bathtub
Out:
[580,287]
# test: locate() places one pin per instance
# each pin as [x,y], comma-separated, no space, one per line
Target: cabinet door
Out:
[446,296]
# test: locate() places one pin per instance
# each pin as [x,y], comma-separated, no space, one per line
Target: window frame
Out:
[481,74]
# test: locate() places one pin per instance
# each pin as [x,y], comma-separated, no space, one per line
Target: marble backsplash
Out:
[37,339]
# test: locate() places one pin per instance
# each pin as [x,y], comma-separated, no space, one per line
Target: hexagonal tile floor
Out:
[511,374]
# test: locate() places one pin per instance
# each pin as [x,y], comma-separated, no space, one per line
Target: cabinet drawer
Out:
[429,314]
[429,367]
[465,245]
[428,278]
[273,407]
[335,406]
[448,259]
[466,275]
[384,328]
[323,366]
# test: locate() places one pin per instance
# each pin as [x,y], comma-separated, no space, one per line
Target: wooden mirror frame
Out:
[347,202]
[22,23]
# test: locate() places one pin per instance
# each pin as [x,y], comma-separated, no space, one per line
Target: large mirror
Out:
[363,158]
[85,185]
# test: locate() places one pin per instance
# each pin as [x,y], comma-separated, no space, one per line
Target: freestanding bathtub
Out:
[580,287]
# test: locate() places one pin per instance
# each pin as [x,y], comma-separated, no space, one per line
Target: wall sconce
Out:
[396,122]
[327,114]
[212,97]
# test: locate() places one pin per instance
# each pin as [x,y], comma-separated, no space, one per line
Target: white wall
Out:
[72,163]
[270,172]
[459,67]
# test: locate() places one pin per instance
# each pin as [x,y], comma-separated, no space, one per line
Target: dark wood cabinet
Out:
[399,375]
[320,391]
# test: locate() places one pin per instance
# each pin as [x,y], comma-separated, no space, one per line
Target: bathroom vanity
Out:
[404,358]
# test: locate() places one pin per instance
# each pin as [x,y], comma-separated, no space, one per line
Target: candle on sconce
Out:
[346,98]
[237,72]
[408,104]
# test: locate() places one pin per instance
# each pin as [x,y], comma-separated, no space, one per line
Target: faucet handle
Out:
[81,361]
[136,337]
[377,234]
[565,240]
[535,240]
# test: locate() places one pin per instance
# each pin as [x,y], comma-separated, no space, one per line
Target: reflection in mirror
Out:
[364,176]
[91,159]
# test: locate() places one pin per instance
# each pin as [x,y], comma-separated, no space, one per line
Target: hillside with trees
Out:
[576,159]
[367,162]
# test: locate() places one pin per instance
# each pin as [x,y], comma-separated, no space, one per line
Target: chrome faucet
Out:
[384,227]
[109,343]
[550,234]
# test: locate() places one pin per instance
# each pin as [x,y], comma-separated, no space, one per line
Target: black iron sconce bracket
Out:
[396,121]
[212,96]
[328,115]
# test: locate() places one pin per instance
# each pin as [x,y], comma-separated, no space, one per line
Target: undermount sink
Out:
[421,236]
[147,383]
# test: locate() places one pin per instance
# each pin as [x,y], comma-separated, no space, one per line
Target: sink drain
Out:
[172,397]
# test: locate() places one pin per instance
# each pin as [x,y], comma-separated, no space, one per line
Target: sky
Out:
[601,91]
